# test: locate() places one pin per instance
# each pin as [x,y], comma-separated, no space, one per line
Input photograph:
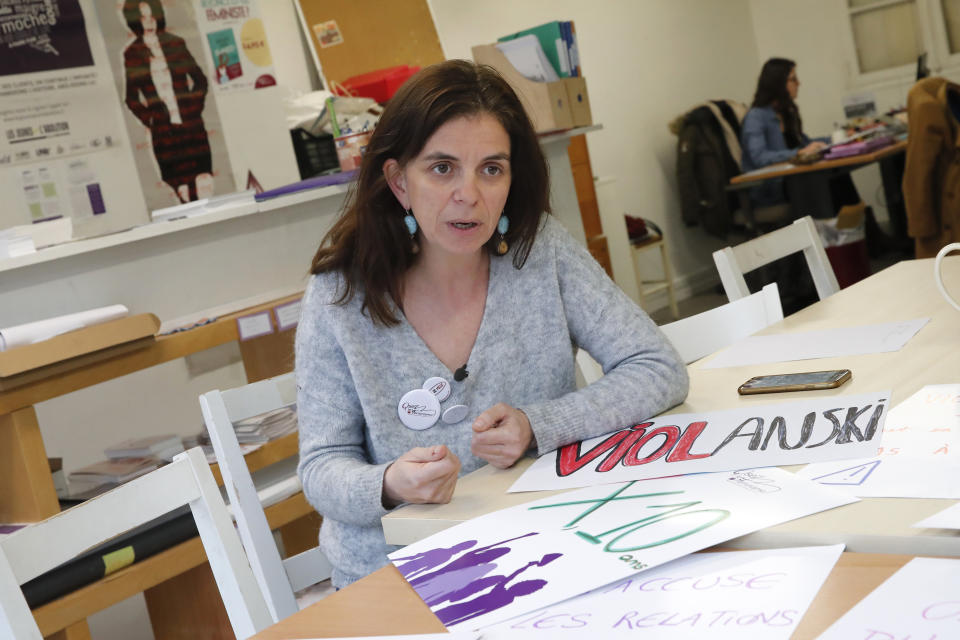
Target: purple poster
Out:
[42,35]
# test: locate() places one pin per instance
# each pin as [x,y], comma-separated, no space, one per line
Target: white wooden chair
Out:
[733,262]
[279,580]
[710,331]
[588,369]
[40,547]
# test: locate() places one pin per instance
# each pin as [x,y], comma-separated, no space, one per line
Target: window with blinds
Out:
[889,35]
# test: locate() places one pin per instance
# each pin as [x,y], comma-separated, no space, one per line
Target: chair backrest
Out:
[710,331]
[733,262]
[588,368]
[40,547]
[278,579]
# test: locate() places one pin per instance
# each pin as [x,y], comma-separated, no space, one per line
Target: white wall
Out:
[645,63]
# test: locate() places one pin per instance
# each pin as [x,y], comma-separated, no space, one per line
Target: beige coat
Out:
[931,180]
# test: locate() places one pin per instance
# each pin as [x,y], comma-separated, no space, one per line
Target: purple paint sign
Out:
[461,582]
[7,529]
[522,559]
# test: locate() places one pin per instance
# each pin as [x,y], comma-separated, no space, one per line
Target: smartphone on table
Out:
[795,382]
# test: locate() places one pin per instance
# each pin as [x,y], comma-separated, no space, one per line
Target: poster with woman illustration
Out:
[157,51]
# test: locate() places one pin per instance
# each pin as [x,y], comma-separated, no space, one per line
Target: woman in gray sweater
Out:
[439,329]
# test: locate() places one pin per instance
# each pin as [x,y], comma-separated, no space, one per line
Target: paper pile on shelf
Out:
[40,330]
[234,201]
[14,243]
[162,447]
[267,426]
[113,471]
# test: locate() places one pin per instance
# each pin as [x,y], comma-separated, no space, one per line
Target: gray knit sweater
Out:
[352,373]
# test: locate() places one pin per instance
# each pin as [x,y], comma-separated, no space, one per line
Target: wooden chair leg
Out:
[636,271]
[26,485]
[668,276]
[188,606]
[301,534]
[76,631]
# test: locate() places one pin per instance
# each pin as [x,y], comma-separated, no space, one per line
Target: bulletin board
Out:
[350,37]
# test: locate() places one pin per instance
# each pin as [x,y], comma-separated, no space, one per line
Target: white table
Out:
[873,525]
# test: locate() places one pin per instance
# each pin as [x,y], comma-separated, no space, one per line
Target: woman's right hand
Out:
[423,475]
[812,148]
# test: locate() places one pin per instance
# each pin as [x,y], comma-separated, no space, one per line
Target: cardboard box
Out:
[579,101]
[547,103]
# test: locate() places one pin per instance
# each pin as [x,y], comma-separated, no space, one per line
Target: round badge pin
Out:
[418,409]
[438,387]
[455,414]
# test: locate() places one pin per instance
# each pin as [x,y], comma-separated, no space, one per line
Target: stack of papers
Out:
[114,471]
[527,57]
[40,330]
[14,243]
[239,200]
[267,426]
[163,447]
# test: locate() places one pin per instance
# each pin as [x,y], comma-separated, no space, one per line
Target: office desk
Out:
[383,603]
[873,525]
[807,189]
[849,163]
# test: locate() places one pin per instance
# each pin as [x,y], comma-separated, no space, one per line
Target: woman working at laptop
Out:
[772,132]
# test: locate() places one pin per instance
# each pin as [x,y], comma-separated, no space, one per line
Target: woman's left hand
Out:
[501,435]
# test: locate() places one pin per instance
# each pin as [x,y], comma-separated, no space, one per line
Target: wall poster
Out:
[157,53]
[63,148]
[237,48]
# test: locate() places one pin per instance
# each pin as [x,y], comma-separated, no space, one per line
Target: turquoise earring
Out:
[503,225]
[411,223]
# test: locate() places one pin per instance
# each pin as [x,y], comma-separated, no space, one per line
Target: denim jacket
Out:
[763,144]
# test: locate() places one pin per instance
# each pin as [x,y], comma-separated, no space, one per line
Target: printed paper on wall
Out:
[63,148]
[237,48]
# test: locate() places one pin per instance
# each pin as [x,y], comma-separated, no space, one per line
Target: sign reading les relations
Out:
[811,430]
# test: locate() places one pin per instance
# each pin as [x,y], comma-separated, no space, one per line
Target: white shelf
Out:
[155,229]
[227,212]
[569,133]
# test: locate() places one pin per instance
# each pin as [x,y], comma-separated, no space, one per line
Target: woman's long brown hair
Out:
[369,243]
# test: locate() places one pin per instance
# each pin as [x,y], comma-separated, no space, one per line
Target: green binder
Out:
[554,45]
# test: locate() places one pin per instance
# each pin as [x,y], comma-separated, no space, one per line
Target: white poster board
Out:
[736,595]
[826,343]
[527,557]
[919,456]
[921,601]
[64,151]
[830,428]
[949,518]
